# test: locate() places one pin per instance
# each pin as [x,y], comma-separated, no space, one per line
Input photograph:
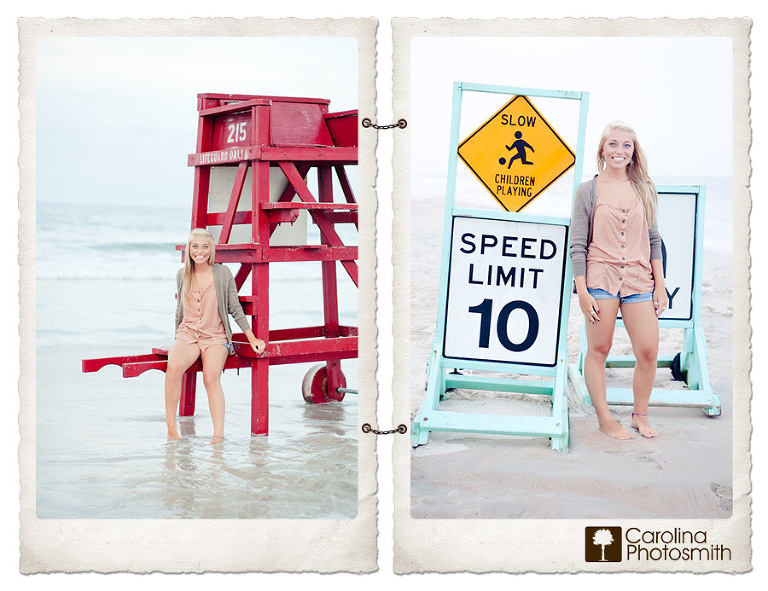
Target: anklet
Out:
[218,437]
[639,414]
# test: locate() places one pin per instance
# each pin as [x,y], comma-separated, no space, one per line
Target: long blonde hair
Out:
[189,264]
[637,170]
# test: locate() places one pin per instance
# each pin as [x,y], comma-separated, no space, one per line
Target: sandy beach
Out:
[684,473]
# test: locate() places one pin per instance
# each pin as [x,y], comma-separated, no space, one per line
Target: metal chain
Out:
[401,123]
[400,429]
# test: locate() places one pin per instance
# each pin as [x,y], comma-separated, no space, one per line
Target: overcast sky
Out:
[675,92]
[117,117]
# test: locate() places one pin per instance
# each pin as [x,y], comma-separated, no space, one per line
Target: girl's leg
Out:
[180,357]
[600,339]
[214,358]
[643,330]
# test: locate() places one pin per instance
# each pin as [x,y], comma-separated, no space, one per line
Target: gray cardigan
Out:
[226,298]
[581,228]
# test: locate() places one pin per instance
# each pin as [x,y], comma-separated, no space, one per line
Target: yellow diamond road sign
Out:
[516,154]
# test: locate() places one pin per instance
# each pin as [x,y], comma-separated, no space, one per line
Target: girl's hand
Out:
[660,300]
[257,345]
[589,307]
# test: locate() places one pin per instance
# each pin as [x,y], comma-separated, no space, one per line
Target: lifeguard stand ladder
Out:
[449,371]
[681,225]
[269,144]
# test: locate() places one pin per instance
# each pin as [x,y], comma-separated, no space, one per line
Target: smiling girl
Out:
[617,265]
[207,295]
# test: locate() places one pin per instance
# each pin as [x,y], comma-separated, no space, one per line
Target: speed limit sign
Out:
[505,278]
[505,287]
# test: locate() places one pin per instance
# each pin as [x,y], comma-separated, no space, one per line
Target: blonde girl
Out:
[616,258]
[207,295]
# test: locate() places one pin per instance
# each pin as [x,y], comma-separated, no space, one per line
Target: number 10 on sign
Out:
[505,287]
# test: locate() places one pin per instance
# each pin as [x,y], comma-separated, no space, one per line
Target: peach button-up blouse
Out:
[618,259]
[201,322]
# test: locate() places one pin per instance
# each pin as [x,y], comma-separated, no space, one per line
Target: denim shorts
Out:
[601,294]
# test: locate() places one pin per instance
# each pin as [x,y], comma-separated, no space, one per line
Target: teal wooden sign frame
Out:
[691,362]
[445,374]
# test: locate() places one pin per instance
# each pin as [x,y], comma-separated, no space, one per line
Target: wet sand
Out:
[687,472]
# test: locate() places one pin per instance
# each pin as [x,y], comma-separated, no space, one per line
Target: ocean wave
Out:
[164,277]
[128,247]
[103,277]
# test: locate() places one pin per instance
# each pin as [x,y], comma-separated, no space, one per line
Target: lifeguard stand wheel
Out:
[314,387]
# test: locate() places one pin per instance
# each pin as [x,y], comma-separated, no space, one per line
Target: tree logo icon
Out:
[603,538]
[602,544]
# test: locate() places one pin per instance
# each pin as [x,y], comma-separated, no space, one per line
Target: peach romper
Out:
[618,258]
[201,322]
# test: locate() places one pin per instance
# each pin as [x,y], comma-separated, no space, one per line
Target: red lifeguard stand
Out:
[269,145]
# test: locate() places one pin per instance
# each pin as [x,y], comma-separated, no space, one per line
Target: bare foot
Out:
[611,428]
[216,440]
[640,422]
[173,435]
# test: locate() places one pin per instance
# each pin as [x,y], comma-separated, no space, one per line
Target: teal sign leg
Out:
[441,378]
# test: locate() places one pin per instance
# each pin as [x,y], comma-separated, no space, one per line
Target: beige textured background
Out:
[556,545]
[51,545]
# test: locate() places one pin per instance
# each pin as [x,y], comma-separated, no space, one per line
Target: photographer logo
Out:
[602,544]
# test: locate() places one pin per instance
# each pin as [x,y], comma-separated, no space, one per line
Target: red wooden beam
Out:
[188,390]
[239,256]
[279,216]
[284,254]
[326,228]
[202,177]
[242,275]
[347,331]
[218,219]
[334,376]
[131,369]
[219,98]
[260,234]
[325,155]
[342,217]
[92,365]
[293,345]
[289,190]
[252,253]
[273,154]
[233,107]
[346,187]
[285,334]
[276,351]
[309,205]
[234,200]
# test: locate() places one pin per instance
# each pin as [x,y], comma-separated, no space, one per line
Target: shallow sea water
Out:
[100,439]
